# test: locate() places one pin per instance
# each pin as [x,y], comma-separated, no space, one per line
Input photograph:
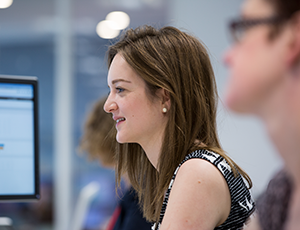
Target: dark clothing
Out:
[273,204]
[131,217]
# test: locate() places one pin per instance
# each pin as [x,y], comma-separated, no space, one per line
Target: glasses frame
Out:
[241,25]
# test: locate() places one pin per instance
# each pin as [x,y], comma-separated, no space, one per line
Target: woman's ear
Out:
[164,96]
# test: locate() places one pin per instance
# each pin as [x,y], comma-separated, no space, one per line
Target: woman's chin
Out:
[120,140]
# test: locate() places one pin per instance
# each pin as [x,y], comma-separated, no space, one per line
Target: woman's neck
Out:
[152,149]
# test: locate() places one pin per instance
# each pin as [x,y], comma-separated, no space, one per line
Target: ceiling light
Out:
[121,19]
[5,3]
[106,29]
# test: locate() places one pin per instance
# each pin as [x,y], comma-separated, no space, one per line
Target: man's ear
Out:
[294,49]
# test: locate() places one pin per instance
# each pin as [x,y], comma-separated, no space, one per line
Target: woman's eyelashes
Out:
[119,89]
[116,89]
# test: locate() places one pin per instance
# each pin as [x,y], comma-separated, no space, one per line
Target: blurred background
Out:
[60,42]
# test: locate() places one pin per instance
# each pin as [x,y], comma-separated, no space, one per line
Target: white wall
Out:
[244,138]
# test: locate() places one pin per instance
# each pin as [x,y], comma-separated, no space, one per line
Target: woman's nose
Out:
[110,105]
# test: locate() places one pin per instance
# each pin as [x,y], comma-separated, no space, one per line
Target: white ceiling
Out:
[36,19]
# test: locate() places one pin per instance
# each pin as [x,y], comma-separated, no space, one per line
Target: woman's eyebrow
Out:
[119,80]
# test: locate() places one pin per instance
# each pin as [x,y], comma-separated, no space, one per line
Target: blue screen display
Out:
[17,159]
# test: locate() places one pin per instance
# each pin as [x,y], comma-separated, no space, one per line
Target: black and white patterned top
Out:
[242,204]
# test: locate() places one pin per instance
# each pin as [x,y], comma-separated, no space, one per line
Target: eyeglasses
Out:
[238,27]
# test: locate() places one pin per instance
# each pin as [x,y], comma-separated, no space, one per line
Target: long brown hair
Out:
[179,63]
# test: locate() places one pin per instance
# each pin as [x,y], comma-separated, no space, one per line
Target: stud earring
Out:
[164,110]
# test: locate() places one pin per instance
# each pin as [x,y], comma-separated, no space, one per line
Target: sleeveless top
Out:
[242,204]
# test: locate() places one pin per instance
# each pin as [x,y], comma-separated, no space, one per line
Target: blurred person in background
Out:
[264,64]
[99,142]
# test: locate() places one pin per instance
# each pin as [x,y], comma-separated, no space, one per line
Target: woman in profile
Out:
[163,99]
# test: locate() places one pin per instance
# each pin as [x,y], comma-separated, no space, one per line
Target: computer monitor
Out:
[19,138]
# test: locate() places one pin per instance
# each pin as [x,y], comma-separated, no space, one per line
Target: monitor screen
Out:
[19,161]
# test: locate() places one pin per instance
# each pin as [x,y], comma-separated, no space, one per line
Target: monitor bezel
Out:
[32,80]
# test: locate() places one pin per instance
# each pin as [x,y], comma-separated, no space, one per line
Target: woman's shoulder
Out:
[195,181]
[212,167]
[197,170]
[203,165]
[212,157]
[236,183]
[197,165]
